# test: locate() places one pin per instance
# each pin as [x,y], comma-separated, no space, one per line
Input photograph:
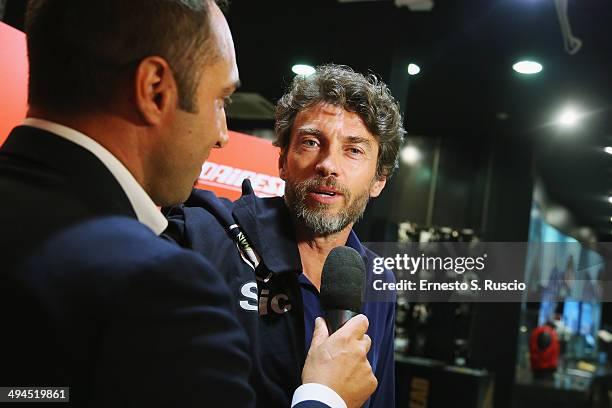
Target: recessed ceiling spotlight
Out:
[568,117]
[608,149]
[410,154]
[303,69]
[413,69]
[527,67]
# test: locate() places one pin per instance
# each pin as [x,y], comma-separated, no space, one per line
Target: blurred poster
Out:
[243,157]
[13,79]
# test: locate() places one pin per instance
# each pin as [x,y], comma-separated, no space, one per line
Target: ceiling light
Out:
[413,69]
[568,117]
[610,199]
[608,149]
[302,69]
[410,154]
[527,67]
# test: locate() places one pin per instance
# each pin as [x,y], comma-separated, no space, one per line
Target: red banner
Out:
[244,157]
[13,79]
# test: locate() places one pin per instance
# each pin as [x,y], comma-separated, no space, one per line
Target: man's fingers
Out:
[368,342]
[320,333]
[356,327]
[373,383]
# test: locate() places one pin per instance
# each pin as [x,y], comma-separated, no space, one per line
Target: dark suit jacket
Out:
[92,299]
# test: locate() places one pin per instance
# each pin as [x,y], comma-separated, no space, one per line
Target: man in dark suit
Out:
[126,101]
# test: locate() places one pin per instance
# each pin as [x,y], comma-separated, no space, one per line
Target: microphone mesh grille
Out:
[343,280]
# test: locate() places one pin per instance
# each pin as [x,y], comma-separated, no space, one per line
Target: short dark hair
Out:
[339,85]
[79,51]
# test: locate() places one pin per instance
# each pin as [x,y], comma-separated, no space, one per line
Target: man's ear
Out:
[378,186]
[155,90]
[282,160]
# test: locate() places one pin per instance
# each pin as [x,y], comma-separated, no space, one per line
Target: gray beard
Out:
[316,219]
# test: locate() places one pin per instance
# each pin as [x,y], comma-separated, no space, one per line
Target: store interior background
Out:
[484,148]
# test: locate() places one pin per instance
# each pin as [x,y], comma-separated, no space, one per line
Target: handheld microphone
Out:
[342,286]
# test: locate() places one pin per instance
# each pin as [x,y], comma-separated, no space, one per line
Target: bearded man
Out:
[339,133]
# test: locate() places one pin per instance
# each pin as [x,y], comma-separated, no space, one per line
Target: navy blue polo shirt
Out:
[381,316]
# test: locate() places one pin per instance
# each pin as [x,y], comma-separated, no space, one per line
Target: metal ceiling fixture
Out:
[572,44]
[416,5]
[413,5]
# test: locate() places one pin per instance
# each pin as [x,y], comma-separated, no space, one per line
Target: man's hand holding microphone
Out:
[339,360]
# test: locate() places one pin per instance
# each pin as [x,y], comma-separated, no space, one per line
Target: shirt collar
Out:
[145,209]
[354,243]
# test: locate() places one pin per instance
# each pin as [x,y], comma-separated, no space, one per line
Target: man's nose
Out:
[328,164]
[223,133]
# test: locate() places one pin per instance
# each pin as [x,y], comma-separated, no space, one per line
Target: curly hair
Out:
[339,85]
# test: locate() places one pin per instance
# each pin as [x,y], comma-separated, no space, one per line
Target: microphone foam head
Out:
[343,280]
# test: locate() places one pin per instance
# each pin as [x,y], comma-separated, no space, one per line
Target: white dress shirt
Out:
[145,209]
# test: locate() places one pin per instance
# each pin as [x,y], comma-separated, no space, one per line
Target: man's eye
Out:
[310,143]
[227,101]
[354,151]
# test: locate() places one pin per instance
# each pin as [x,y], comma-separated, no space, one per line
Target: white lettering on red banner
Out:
[231,178]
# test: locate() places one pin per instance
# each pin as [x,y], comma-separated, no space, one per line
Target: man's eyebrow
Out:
[232,88]
[308,131]
[358,140]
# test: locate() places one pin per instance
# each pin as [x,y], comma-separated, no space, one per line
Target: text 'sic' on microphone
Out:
[342,286]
